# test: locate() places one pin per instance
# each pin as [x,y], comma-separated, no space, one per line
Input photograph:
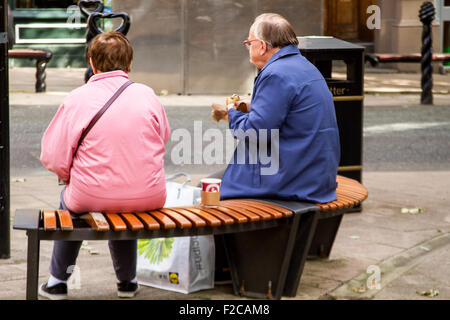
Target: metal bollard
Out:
[94,29]
[426,15]
[84,4]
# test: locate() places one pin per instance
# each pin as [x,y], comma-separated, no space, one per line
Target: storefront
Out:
[50,24]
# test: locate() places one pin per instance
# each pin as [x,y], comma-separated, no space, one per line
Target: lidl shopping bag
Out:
[181,264]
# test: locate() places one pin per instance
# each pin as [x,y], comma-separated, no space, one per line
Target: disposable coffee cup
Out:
[211,184]
[210,193]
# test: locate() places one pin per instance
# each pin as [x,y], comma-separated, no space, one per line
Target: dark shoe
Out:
[126,289]
[57,292]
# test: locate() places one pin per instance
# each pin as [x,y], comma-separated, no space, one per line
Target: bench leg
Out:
[305,234]
[41,75]
[32,264]
[324,237]
[222,269]
[259,260]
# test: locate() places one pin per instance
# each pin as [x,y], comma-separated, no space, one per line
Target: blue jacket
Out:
[290,95]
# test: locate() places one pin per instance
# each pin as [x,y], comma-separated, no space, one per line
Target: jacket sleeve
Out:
[58,144]
[269,106]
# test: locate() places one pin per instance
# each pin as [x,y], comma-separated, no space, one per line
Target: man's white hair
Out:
[278,23]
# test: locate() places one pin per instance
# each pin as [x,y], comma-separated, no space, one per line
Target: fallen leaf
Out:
[412,210]
[359,290]
[429,293]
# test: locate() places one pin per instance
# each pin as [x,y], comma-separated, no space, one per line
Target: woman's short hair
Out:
[274,29]
[110,51]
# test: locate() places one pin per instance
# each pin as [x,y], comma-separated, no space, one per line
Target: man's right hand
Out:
[243,105]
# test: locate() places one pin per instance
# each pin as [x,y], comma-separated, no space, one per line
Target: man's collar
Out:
[283,52]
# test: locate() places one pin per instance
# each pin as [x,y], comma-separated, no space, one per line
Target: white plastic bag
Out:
[181,264]
[180,194]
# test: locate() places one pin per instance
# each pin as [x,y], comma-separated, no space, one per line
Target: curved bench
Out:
[376,58]
[284,229]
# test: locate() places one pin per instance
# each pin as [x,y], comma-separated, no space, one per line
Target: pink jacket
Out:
[120,164]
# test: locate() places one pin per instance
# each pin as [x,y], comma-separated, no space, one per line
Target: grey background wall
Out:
[195,46]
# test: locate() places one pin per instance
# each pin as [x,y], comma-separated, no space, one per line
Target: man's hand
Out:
[219,112]
[243,105]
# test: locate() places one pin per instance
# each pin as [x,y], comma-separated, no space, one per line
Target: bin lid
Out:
[324,43]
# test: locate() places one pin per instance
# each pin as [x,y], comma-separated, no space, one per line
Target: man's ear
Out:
[263,49]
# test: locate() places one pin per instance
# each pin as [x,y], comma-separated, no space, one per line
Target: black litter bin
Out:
[328,53]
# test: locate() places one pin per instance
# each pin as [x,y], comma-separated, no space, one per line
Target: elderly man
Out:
[292,102]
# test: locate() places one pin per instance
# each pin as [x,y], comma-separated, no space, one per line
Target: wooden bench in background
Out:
[376,58]
[266,241]
[42,58]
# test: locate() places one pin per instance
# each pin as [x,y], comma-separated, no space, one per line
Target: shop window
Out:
[44,4]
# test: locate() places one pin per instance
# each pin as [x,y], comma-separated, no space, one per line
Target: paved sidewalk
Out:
[380,89]
[411,250]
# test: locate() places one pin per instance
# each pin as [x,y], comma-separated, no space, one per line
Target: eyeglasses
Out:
[248,43]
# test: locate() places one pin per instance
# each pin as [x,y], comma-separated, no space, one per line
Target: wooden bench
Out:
[376,58]
[266,241]
[42,58]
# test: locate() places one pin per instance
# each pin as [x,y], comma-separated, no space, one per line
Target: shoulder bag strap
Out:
[100,113]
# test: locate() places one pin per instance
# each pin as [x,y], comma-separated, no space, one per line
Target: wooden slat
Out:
[341,204]
[179,219]
[116,221]
[323,206]
[65,220]
[264,215]
[49,218]
[358,193]
[239,218]
[164,220]
[96,220]
[149,222]
[196,220]
[284,211]
[258,205]
[250,215]
[211,220]
[347,197]
[132,221]
[348,186]
[349,202]
[225,219]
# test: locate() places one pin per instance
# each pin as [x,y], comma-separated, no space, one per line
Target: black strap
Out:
[100,113]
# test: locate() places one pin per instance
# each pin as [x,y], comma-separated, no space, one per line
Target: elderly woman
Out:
[118,166]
